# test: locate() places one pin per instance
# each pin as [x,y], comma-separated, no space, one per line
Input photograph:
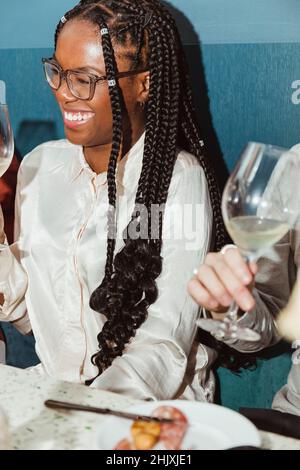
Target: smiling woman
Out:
[98,272]
[85,93]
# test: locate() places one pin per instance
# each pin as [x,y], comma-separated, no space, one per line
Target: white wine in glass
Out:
[259,206]
[253,234]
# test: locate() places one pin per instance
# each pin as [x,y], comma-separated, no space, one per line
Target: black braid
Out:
[114,92]
[129,286]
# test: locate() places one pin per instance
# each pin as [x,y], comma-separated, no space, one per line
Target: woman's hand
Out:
[224,277]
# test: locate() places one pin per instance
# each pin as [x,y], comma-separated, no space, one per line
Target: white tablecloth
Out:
[33,426]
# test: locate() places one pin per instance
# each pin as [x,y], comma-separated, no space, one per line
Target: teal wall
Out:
[250,55]
[216,21]
[250,90]
[246,78]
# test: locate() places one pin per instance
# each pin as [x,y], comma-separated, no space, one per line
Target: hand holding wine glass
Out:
[259,206]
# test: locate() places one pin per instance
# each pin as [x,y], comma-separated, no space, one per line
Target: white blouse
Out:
[49,274]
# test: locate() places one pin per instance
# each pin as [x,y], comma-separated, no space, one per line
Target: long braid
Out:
[162,124]
[173,129]
[129,286]
[114,92]
[192,136]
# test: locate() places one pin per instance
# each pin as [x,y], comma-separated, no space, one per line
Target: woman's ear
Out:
[144,87]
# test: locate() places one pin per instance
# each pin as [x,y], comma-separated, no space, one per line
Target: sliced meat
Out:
[172,434]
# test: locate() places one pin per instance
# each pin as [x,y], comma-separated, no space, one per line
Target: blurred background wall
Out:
[245,66]
[250,52]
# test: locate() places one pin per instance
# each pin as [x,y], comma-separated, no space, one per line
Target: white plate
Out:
[211,427]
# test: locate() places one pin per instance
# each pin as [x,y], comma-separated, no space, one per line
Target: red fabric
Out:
[8,184]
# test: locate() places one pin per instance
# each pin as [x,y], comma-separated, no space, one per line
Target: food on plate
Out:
[146,435]
[172,434]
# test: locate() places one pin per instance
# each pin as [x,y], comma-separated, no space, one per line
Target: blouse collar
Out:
[128,169]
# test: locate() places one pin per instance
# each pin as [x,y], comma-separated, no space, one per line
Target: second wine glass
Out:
[259,206]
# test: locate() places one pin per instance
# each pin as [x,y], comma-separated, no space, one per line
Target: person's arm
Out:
[273,284]
[154,363]
[13,279]
[224,277]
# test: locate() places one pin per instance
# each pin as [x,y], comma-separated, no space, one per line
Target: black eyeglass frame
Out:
[63,74]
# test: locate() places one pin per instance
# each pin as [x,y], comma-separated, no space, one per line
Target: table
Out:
[33,426]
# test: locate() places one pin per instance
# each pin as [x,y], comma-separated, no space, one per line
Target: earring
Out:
[142,104]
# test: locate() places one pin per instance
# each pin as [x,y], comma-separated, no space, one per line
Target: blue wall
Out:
[217,21]
[250,54]
[250,90]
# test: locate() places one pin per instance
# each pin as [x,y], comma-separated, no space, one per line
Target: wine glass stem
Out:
[232,314]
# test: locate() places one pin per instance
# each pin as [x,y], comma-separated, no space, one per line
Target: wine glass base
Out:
[226,330]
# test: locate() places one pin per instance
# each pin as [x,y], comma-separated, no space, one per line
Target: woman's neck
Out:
[98,156]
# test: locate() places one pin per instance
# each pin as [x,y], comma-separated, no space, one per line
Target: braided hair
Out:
[150,38]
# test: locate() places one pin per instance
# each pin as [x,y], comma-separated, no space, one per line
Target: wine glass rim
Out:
[264,144]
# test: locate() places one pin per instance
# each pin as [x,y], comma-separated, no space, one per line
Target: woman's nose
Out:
[64,92]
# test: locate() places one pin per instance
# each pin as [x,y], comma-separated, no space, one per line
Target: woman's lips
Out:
[76,118]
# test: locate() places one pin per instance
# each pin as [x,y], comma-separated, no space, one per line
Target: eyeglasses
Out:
[82,85]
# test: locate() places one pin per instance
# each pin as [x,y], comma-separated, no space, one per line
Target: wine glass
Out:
[6,133]
[6,137]
[259,206]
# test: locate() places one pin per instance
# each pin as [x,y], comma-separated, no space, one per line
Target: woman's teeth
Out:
[77,116]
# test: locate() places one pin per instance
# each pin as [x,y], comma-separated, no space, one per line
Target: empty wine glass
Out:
[259,206]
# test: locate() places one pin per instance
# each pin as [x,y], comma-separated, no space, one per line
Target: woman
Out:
[95,256]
